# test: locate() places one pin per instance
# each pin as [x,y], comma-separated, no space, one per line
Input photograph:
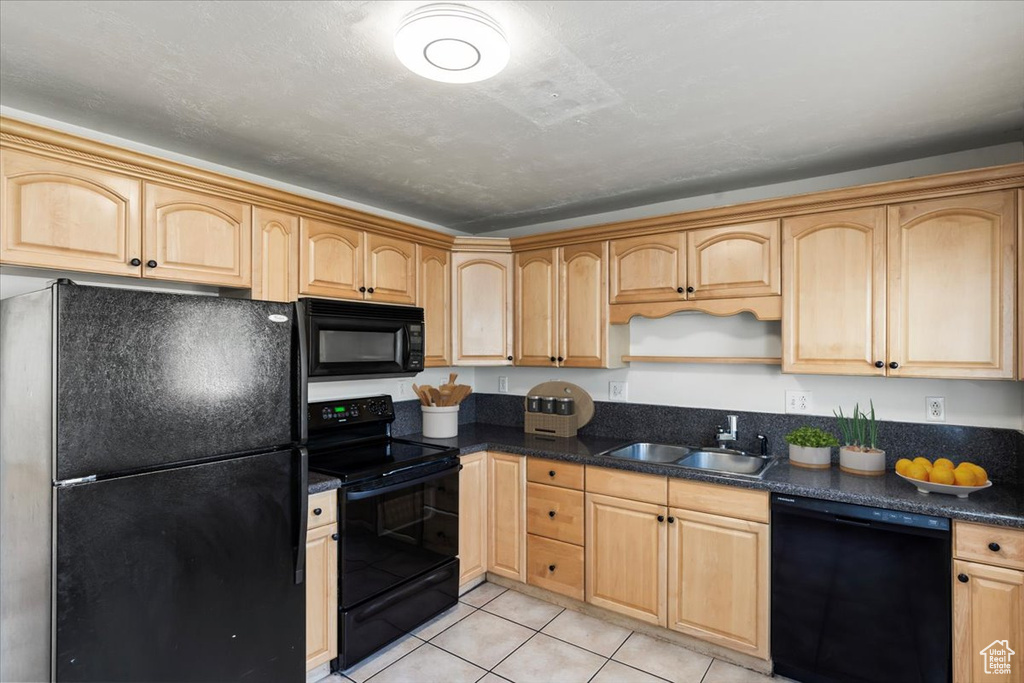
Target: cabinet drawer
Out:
[554,566]
[554,513]
[989,544]
[727,501]
[566,474]
[648,488]
[327,504]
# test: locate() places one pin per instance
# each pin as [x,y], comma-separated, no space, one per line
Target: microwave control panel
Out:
[352,410]
[415,346]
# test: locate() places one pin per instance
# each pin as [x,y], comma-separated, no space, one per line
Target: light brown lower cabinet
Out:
[718,580]
[988,610]
[472,517]
[322,582]
[506,503]
[555,566]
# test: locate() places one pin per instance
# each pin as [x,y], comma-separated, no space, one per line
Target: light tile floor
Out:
[496,635]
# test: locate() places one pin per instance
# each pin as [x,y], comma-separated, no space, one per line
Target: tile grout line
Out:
[422,643]
[491,670]
[707,670]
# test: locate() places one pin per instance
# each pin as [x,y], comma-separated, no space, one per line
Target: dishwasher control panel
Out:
[859,513]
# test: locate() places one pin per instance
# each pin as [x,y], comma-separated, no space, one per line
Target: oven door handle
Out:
[360,495]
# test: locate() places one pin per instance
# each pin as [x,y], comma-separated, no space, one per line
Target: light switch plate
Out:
[618,391]
[502,384]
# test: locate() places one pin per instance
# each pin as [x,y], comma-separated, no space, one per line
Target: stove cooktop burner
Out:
[356,462]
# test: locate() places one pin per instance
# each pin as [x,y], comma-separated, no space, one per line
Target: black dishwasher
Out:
[859,594]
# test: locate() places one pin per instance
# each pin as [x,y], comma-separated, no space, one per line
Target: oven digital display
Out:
[339,409]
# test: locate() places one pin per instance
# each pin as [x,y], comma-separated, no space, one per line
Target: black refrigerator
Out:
[152,488]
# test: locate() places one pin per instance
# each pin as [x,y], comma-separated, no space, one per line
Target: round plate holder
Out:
[584,402]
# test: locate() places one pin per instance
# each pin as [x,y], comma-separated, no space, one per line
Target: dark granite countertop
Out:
[1002,504]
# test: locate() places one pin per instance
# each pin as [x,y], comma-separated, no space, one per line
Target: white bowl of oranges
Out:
[942,476]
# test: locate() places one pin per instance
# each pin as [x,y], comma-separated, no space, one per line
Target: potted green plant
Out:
[811,447]
[859,453]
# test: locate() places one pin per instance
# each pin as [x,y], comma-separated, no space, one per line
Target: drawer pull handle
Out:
[551,473]
[551,567]
[994,547]
[962,578]
[317,511]
[551,513]
[661,518]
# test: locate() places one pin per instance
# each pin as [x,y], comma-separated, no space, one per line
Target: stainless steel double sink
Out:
[718,460]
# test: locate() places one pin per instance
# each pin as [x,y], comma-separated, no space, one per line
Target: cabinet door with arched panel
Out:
[275,255]
[482,308]
[536,308]
[648,269]
[390,270]
[733,261]
[59,214]
[195,237]
[952,288]
[833,316]
[330,260]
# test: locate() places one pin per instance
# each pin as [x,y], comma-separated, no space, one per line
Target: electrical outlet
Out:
[618,391]
[798,402]
[935,408]
[502,384]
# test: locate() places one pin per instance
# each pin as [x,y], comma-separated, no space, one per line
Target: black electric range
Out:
[398,518]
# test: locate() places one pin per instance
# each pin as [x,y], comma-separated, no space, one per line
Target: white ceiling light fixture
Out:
[451,43]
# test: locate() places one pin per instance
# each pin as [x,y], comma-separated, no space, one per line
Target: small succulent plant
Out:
[811,437]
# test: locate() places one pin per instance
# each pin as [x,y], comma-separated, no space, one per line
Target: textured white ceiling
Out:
[604,105]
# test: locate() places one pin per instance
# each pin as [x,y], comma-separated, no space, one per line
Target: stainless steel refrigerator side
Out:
[26,486]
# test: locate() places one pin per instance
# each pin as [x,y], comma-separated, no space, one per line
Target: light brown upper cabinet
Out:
[923,289]
[434,282]
[482,308]
[58,214]
[536,307]
[346,263]
[561,309]
[275,255]
[648,269]
[833,319]
[952,287]
[390,270]
[733,261]
[195,237]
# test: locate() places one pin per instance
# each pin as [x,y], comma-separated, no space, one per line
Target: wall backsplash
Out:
[999,451]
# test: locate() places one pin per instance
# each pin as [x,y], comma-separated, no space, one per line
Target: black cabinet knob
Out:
[690,290]
[552,359]
[680,290]
[370,290]
[671,520]
[560,359]
[994,547]
[661,518]
[551,473]
[317,511]
[509,358]
[894,365]
[962,578]
[551,567]
[334,537]
[135,262]
[879,364]
[151,263]
[362,289]
[551,513]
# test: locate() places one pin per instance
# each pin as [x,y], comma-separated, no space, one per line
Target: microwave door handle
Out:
[406,345]
[360,495]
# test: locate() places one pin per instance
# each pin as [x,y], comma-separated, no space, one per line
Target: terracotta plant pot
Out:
[864,462]
[811,457]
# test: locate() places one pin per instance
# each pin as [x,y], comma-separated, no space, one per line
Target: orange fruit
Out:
[902,464]
[944,462]
[965,476]
[980,474]
[924,462]
[942,475]
[917,471]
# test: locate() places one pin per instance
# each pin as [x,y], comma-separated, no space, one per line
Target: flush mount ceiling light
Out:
[451,43]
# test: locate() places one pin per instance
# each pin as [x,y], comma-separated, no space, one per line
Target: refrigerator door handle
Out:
[303,375]
[303,494]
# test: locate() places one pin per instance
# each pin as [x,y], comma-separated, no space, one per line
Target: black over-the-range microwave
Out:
[346,339]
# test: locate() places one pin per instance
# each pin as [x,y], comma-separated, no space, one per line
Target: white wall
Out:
[14,281]
[996,155]
[762,388]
